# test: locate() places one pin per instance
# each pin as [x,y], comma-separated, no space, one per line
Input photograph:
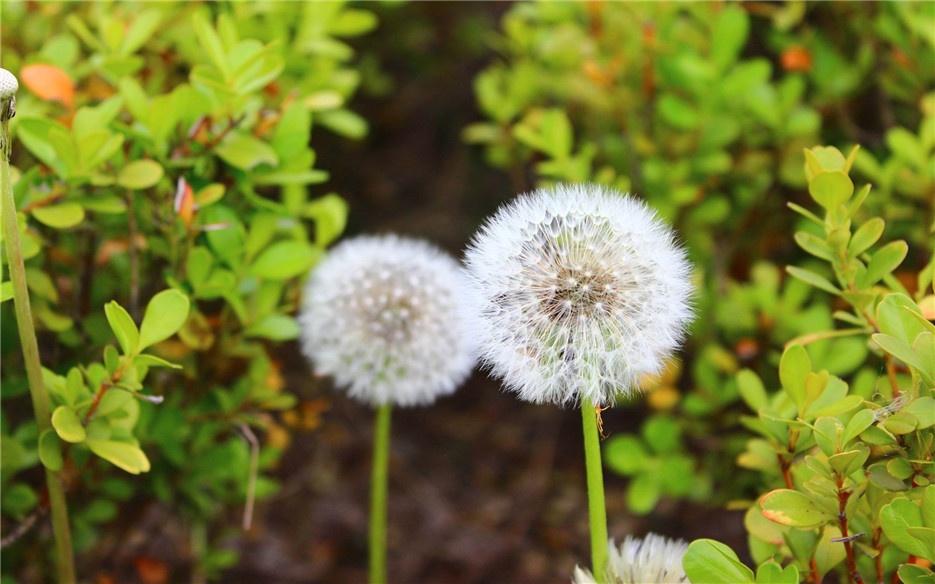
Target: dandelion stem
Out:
[597,512]
[378,488]
[27,334]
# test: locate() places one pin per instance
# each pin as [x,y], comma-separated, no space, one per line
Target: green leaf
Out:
[828,554]
[139,31]
[751,389]
[34,134]
[845,463]
[165,315]
[788,507]
[245,152]
[67,425]
[711,562]
[18,500]
[663,434]
[211,42]
[879,475]
[915,574]
[831,189]
[343,122]
[868,234]
[923,408]
[901,423]
[352,22]
[678,113]
[770,572]
[123,326]
[276,327]
[228,241]
[812,278]
[857,424]
[894,318]
[643,494]
[829,433]
[96,147]
[50,450]
[61,216]
[101,203]
[729,35]
[624,454]
[285,259]
[153,361]
[896,518]
[140,174]
[209,194]
[813,245]
[330,215]
[883,262]
[904,353]
[926,535]
[124,455]
[794,367]
[6,291]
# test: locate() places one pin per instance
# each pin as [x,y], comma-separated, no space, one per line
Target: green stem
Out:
[597,512]
[378,488]
[27,335]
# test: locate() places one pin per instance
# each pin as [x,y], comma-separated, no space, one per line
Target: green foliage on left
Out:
[162,153]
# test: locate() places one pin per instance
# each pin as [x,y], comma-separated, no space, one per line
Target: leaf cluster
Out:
[162,177]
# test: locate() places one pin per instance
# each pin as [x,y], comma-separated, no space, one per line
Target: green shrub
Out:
[704,110]
[166,147]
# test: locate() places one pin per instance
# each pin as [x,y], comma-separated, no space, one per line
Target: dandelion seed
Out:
[653,559]
[585,280]
[384,317]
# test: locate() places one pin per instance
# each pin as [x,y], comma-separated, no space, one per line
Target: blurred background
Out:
[426,116]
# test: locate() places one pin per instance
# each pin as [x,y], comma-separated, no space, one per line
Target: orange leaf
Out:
[151,570]
[49,83]
[796,59]
[184,205]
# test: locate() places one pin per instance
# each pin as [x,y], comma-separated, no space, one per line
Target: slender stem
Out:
[27,334]
[597,512]
[843,495]
[378,488]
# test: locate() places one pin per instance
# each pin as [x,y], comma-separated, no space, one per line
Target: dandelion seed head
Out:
[582,291]
[654,559]
[385,317]
[8,84]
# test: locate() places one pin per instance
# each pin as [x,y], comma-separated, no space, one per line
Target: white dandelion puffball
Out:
[8,84]
[383,315]
[651,560]
[581,292]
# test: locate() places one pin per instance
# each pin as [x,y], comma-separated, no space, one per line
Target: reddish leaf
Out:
[49,83]
[796,59]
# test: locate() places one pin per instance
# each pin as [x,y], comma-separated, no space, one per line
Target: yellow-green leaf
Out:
[165,315]
[124,455]
[60,216]
[67,425]
[140,174]
[788,507]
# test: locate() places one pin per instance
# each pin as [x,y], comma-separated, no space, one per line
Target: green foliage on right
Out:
[848,474]
[162,174]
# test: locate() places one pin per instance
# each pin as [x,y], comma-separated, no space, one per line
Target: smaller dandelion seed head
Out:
[581,291]
[385,317]
[653,558]
[8,84]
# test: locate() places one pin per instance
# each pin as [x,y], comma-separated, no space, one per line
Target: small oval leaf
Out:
[60,216]
[165,315]
[788,507]
[140,174]
[124,455]
[67,425]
